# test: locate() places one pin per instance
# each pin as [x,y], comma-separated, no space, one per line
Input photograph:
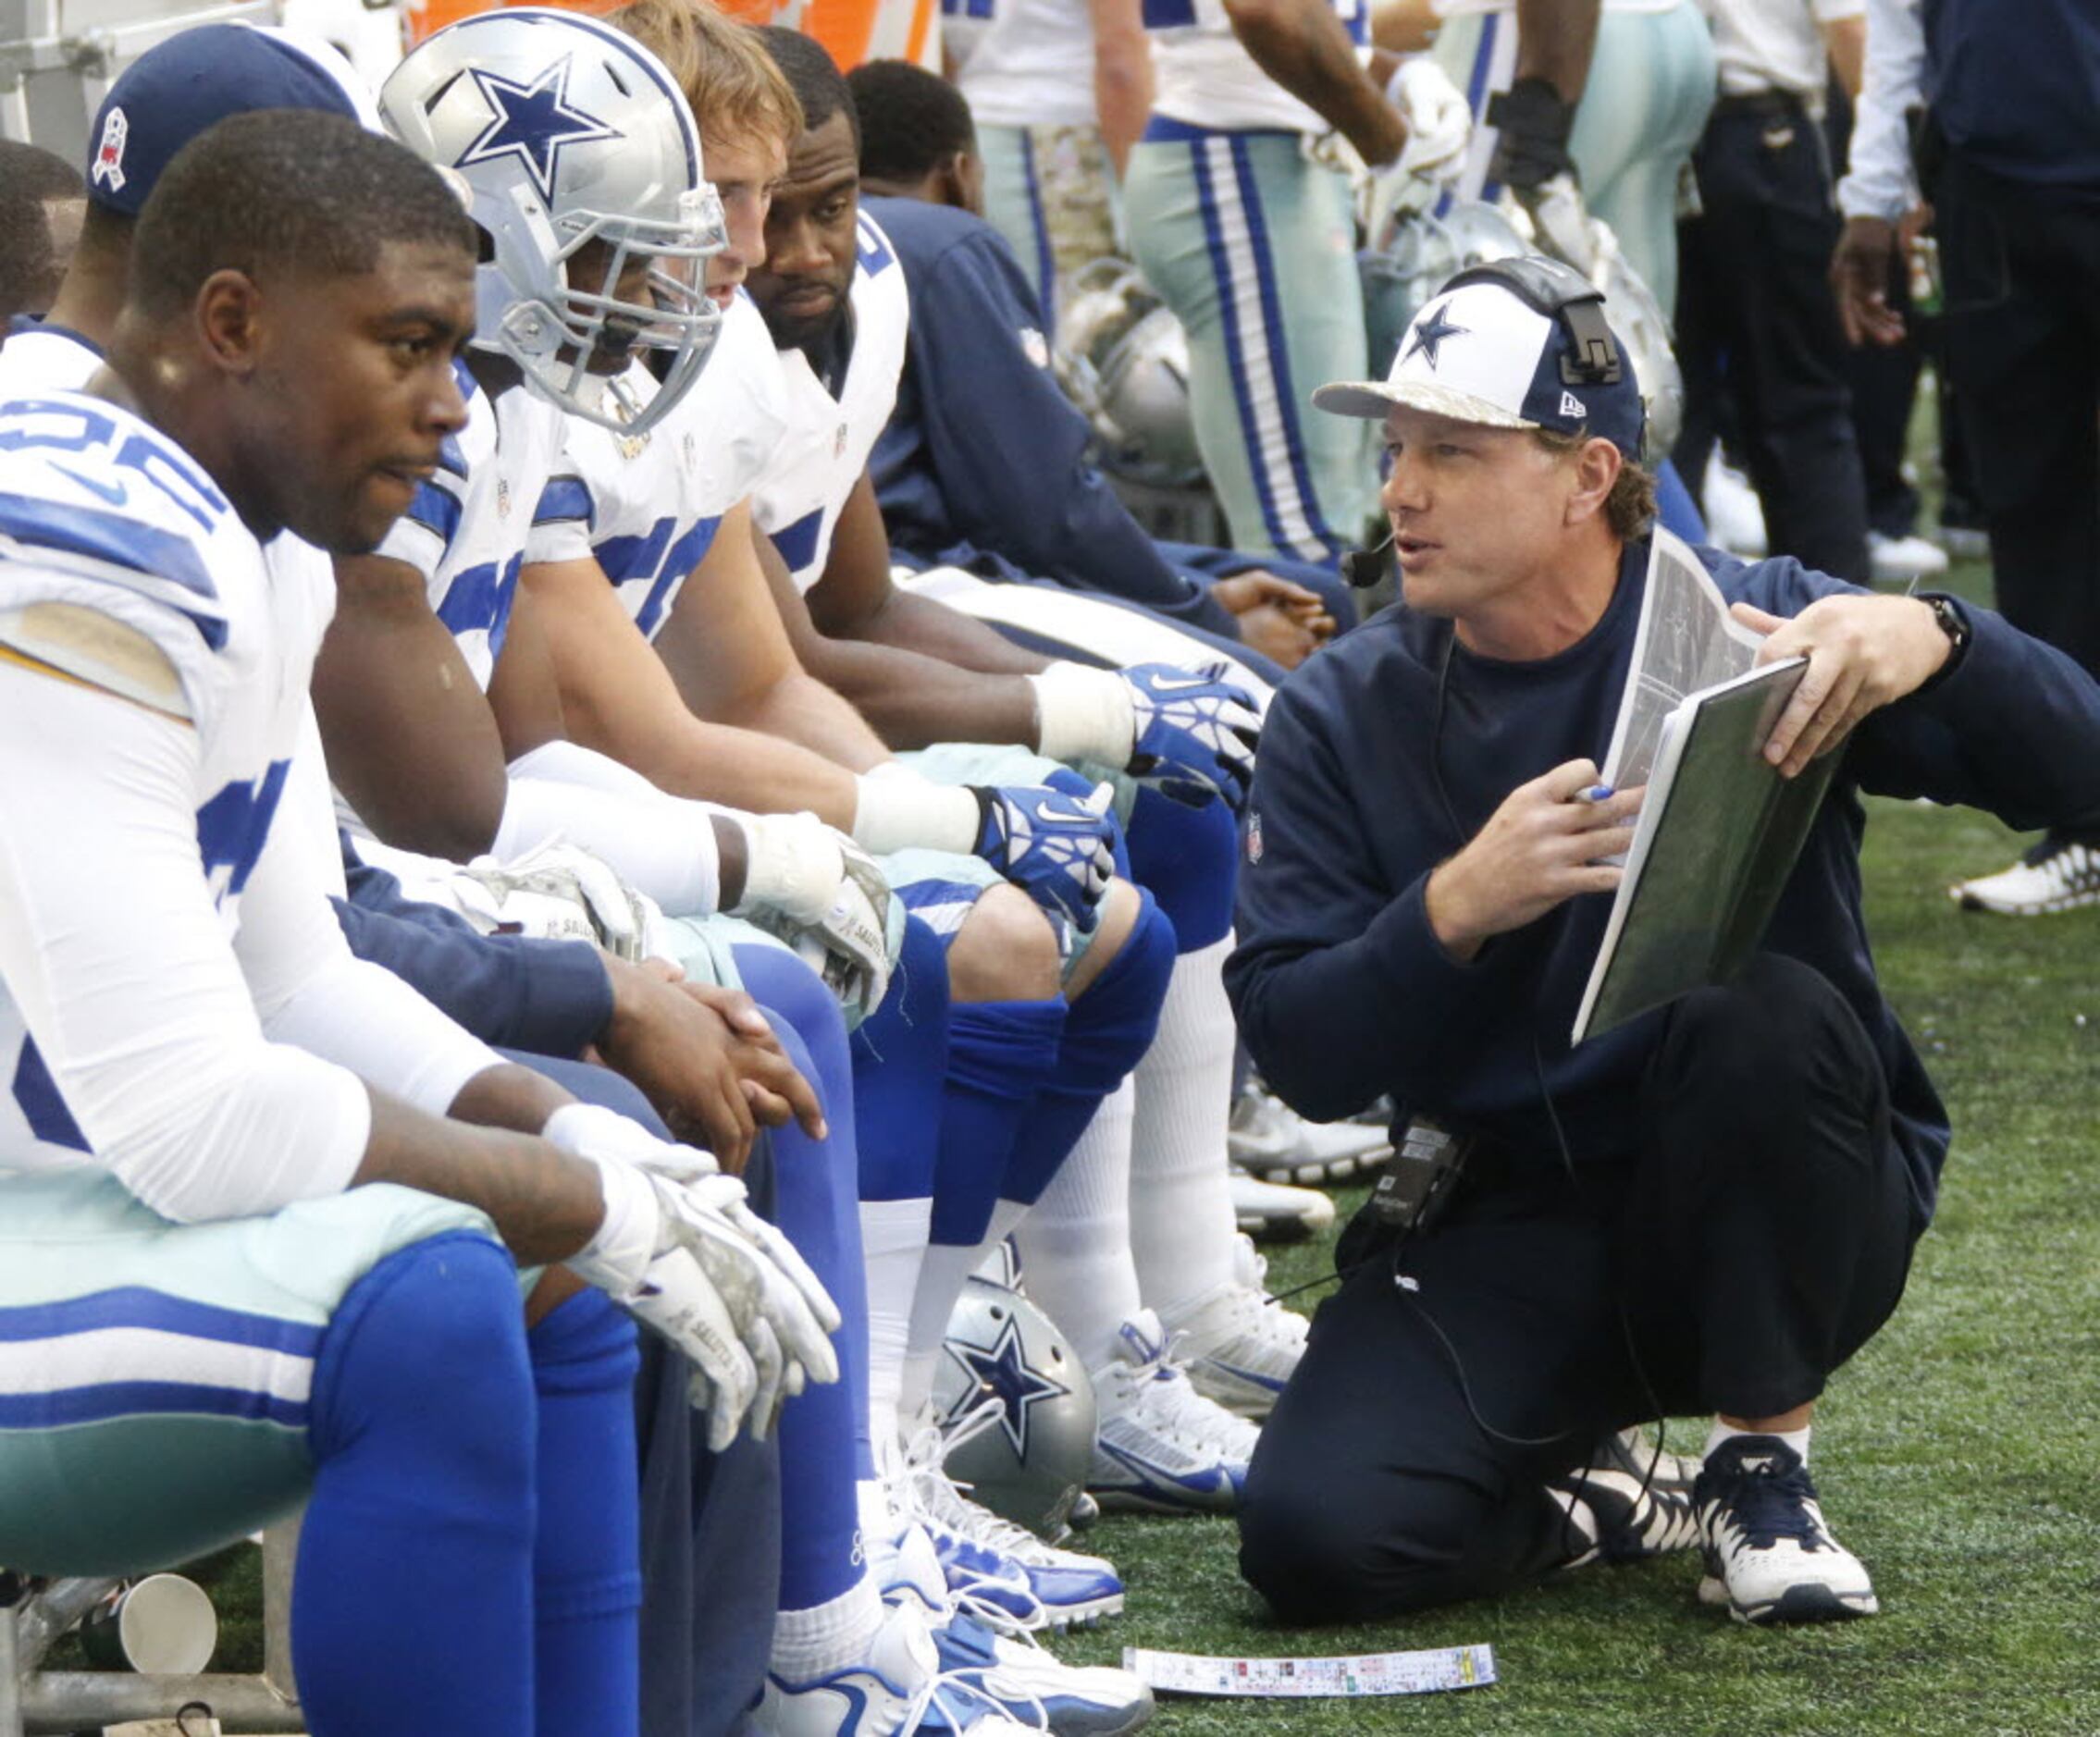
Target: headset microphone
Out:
[1363,568]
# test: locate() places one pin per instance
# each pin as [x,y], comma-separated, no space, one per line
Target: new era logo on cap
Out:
[1481,354]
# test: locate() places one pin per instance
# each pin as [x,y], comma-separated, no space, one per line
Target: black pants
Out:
[1756,319]
[2022,275]
[1759,1238]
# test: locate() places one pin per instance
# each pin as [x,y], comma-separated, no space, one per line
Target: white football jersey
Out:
[829,439]
[1025,63]
[101,511]
[1204,76]
[647,506]
[465,531]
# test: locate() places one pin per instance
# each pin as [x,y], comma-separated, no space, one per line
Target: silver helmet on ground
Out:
[1124,360]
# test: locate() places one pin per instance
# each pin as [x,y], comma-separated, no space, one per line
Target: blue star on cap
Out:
[1003,1372]
[532,122]
[1430,331]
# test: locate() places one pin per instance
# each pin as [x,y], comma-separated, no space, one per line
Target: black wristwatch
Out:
[1953,623]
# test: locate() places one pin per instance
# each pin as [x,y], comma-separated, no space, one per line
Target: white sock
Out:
[941,1279]
[1797,1439]
[894,1235]
[1181,1222]
[1075,1243]
[827,1637]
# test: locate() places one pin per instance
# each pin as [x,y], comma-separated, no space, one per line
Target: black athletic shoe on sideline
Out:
[1770,1558]
[1628,1502]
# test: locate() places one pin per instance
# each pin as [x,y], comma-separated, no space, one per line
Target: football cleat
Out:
[1271,1212]
[1017,1674]
[1770,1556]
[1240,1345]
[1030,1584]
[1271,1140]
[1628,1501]
[2056,874]
[900,1690]
[1163,1449]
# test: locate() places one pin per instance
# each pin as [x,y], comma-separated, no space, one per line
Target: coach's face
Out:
[811,249]
[1477,514]
[353,392]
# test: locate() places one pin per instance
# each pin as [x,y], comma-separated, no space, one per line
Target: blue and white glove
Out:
[1059,849]
[1189,734]
[1194,733]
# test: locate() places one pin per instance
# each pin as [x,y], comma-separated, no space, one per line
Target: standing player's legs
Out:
[1652,85]
[1253,248]
[1050,193]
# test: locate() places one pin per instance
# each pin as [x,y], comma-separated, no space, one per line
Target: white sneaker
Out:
[1770,1556]
[1735,517]
[1898,560]
[900,1690]
[1240,1345]
[1163,1449]
[1274,1212]
[1070,1700]
[2055,875]
[1031,1583]
[1270,1139]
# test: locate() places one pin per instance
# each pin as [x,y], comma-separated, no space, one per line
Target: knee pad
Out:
[1112,1025]
[1189,859]
[900,1056]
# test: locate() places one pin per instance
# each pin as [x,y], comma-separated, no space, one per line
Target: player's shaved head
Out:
[814,75]
[41,201]
[285,192]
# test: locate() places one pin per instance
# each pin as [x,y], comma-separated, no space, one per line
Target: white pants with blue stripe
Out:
[1050,191]
[1254,248]
[1651,81]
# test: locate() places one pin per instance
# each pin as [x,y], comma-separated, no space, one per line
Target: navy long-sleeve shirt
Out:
[1344,990]
[2015,85]
[984,451]
[512,991]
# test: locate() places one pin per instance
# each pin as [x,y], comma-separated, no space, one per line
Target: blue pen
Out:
[1595,793]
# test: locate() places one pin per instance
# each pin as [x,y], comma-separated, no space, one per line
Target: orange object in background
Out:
[853,31]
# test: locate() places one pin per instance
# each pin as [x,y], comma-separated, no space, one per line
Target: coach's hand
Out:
[1545,844]
[1863,652]
[705,1058]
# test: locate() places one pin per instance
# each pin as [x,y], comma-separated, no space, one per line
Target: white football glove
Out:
[824,896]
[680,1250]
[1440,128]
[561,892]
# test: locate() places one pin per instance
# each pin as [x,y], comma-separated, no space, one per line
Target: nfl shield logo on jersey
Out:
[108,170]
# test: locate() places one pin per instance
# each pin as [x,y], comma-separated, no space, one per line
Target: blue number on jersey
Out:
[657,558]
[875,254]
[1168,15]
[480,598]
[968,8]
[233,827]
[43,1108]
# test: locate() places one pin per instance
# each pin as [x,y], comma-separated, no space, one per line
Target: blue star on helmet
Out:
[1003,1372]
[533,122]
[1430,331]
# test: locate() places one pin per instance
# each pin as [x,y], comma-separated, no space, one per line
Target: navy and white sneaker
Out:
[899,1690]
[1031,1583]
[1630,1500]
[1028,1684]
[1770,1556]
[1161,1448]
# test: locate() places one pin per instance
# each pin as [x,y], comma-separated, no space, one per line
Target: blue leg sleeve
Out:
[900,1055]
[1108,1029]
[587,1561]
[1000,1054]
[823,1431]
[413,1606]
[1189,861]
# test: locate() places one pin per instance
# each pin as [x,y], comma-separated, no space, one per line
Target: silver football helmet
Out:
[1015,1408]
[567,132]
[1124,360]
